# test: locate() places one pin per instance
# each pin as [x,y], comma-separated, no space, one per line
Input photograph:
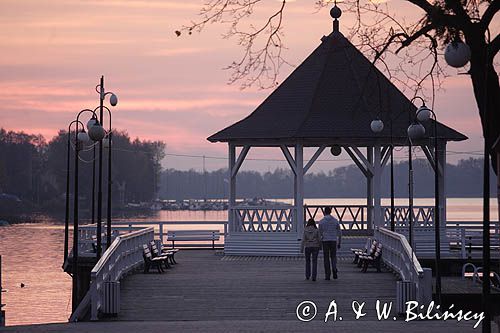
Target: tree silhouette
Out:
[408,51]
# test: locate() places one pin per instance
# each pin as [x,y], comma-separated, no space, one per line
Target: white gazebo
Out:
[328,101]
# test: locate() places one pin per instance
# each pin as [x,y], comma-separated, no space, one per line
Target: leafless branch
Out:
[262,46]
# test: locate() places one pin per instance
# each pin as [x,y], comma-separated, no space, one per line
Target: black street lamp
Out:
[415,131]
[425,114]
[377,126]
[90,123]
[113,100]
[96,133]
[106,142]
[66,217]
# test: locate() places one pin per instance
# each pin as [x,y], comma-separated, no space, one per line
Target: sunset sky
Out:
[170,88]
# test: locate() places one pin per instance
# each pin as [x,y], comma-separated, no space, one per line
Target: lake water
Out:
[32,254]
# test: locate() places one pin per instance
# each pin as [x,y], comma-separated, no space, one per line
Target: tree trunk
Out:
[487,93]
[486,88]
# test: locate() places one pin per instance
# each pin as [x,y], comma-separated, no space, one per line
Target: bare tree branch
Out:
[489,13]
[494,47]
[262,57]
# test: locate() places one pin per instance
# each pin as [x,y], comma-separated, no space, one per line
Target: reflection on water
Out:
[32,255]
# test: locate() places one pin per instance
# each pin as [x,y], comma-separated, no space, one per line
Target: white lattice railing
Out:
[264,218]
[351,217]
[398,256]
[423,216]
[123,256]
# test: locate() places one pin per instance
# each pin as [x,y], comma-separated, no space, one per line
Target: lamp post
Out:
[91,123]
[393,226]
[113,101]
[106,142]
[424,114]
[66,217]
[415,131]
[96,133]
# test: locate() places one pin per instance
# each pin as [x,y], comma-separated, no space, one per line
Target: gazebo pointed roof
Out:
[331,97]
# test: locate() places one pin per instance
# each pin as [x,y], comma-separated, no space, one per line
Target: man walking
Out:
[329,229]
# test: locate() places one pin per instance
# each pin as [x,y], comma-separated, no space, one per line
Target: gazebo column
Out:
[365,165]
[297,165]
[232,188]
[377,177]
[234,167]
[440,166]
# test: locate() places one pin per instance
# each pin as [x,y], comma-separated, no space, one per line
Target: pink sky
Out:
[171,89]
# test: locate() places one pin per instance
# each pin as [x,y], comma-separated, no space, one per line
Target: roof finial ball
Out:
[335,13]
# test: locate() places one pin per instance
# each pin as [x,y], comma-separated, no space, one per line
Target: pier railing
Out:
[355,217]
[399,257]
[123,256]
[162,227]
[264,218]
[423,216]
[87,232]
[351,217]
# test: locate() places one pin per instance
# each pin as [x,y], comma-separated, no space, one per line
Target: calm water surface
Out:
[32,255]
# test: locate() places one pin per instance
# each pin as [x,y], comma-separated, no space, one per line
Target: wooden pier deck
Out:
[204,286]
[207,292]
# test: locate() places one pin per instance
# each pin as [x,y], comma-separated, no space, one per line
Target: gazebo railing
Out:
[423,216]
[354,217]
[351,217]
[264,218]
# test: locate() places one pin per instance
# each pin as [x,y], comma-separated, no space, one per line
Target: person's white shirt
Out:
[329,227]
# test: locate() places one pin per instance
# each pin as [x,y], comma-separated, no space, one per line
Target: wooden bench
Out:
[149,261]
[374,259]
[193,235]
[168,255]
[369,248]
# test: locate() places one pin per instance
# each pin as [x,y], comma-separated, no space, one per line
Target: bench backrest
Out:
[215,234]
[154,249]
[373,248]
[146,252]
[378,251]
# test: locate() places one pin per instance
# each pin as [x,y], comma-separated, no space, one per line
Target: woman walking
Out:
[311,242]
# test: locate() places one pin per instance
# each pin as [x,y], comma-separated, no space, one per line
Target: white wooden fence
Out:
[123,256]
[422,215]
[264,218]
[351,217]
[399,257]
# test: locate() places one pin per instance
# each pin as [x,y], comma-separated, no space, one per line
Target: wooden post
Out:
[299,189]
[377,176]
[232,189]
[369,191]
